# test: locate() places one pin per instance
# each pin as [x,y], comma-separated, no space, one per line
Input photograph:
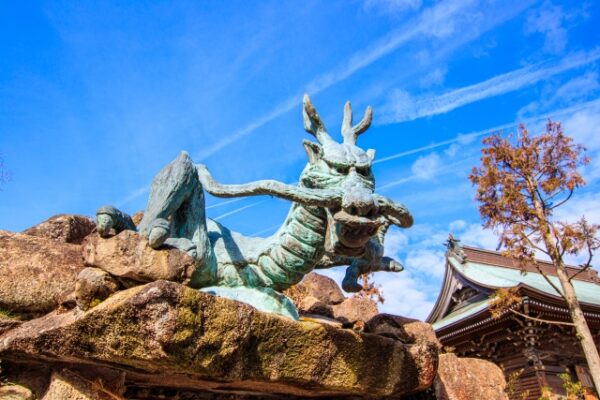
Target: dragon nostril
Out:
[371,211]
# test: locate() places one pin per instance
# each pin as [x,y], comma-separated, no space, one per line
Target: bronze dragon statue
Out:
[336,218]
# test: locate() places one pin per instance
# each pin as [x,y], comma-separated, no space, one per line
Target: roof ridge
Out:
[499,253]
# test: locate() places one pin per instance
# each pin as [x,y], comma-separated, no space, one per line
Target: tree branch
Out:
[540,319]
[535,246]
[584,268]
[549,281]
[563,201]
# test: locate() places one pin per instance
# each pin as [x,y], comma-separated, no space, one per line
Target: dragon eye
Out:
[341,169]
[365,171]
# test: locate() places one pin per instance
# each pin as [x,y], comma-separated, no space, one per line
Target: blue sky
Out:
[96,98]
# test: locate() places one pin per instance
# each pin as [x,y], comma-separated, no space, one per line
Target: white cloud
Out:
[580,205]
[579,87]
[437,21]
[475,235]
[395,241]
[434,78]
[552,96]
[404,295]
[548,20]
[404,107]
[584,127]
[452,150]
[425,167]
[457,225]
[426,261]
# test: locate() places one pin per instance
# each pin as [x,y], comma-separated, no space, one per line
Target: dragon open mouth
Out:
[350,233]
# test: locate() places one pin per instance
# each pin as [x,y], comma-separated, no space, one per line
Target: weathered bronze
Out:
[335,219]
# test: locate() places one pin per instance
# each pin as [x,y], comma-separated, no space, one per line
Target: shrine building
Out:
[533,336]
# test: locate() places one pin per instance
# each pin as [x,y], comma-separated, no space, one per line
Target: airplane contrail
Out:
[430,22]
[463,137]
[427,23]
[237,210]
[408,108]
[473,135]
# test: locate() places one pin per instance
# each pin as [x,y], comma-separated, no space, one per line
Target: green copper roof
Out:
[461,314]
[498,277]
[494,277]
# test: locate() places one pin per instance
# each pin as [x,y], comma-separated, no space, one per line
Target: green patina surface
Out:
[336,218]
[462,313]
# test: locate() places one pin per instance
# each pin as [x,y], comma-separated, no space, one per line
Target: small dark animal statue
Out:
[335,219]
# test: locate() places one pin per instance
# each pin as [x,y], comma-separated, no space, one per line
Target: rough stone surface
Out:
[15,392]
[67,385]
[7,324]
[93,286]
[468,378]
[129,257]
[64,228]
[407,330]
[36,272]
[312,305]
[137,217]
[166,334]
[355,309]
[323,288]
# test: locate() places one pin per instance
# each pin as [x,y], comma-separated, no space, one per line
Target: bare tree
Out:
[522,180]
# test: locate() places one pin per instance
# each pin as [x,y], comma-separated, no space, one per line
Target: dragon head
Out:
[337,178]
[346,167]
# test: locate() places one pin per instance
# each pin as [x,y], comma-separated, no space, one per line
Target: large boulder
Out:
[318,295]
[323,288]
[312,306]
[36,273]
[355,310]
[406,330]
[164,334]
[468,378]
[64,228]
[128,257]
[93,286]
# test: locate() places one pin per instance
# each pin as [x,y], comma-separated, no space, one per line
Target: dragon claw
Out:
[158,233]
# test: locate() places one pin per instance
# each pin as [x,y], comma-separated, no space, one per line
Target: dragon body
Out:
[336,218]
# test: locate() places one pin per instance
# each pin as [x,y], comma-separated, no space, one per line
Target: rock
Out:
[7,323]
[322,288]
[137,217]
[468,378]
[35,272]
[355,309]
[15,392]
[67,385]
[166,335]
[128,256]
[312,305]
[407,330]
[93,286]
[64,228]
